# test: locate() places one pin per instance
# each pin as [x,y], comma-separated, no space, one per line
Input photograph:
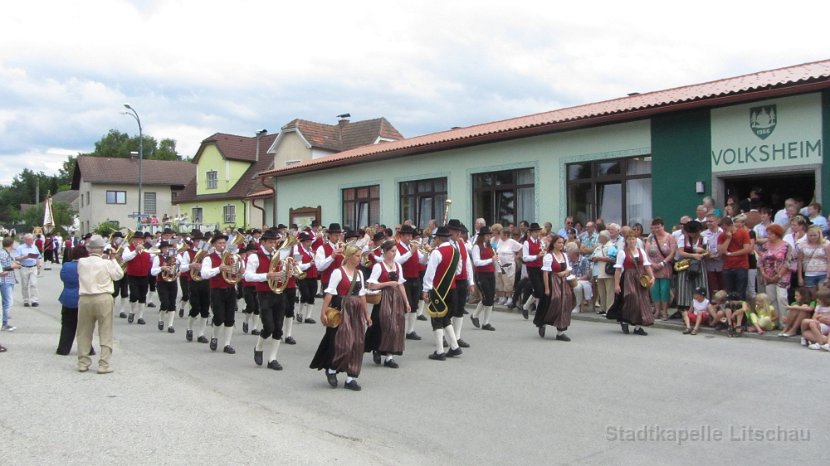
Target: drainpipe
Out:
[274,196]
[261,209]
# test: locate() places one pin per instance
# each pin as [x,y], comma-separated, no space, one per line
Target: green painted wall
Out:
[825,136]
[681,149]
[228,172]
[546,154]
[212,212]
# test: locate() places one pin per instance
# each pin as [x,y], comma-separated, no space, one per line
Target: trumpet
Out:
[423,248]
[365,257]
[171,273]
[120,250]
[447,204]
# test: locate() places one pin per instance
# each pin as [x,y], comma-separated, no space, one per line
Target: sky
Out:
[194,68]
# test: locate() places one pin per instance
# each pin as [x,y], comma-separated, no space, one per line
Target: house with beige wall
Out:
[108,189]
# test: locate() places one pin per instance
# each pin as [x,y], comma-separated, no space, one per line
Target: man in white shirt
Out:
[814,213]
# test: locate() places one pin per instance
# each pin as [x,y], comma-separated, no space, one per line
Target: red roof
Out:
[794,79]
[345,135]
[234,147]
[125,171]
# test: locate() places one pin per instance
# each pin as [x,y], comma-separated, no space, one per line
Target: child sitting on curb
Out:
[700,311]
[817,329]
[763,318]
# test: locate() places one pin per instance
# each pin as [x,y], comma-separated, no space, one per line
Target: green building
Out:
[625,160]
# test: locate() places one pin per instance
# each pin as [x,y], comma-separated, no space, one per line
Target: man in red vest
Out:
[410,260]
[532,255]
[439,290]
[464,281]
[222,294]
[271,304]
[138,269]
[328,257]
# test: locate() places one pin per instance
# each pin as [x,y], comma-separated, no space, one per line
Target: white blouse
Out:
[335,278]
[376,271]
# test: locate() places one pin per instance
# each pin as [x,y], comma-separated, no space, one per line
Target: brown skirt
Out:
[636,302]
[561,303]
[341,348]
[386,335]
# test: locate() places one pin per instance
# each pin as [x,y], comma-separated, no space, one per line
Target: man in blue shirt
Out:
[31,262]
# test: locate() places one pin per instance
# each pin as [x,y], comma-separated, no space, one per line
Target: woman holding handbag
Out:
[559,296]
[345,315]
[661,248]
[385,337]
[632,281]
[692,249]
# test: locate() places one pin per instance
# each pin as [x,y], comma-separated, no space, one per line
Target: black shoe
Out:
[422,317]
[542,331]
[476,323]
[229,349]
[189,335]
[181,313]
[258,357]
[687,331]
[244,327]
[436,356]
[463,343]
[309,321]
[25,304]
[391,363]
[290,341]
[413,336]
[214,343]
[524,313]
[151,305]
[563,337]
[454,352]
[140,322]
[161,325]
[640,331]
[123,315]
[466,311]
[376,357]
[130,318]
[624,328]
[202,339]
[332,379]
[274,365]
[255,332]
[92,351]
[352,385]
[488,327]
[35,304]
[299,319]
[171,330]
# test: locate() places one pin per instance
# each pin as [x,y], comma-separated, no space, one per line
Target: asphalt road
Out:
[512,398]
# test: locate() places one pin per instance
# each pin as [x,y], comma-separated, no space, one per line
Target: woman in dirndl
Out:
[632,304]
[691,246]
[559,296]
[385,337]
[341,349]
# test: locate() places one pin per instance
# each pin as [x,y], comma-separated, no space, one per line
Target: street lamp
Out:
[131,112]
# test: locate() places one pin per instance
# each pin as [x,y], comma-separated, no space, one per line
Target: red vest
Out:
[217,281]
[446,249]
[191,254]
[308,258]
[139,266]
[264,264]
[534,249]
[325,274]
[345,283]
[384,274]
[411,268]
[318,241]
[486,252]
[465,257]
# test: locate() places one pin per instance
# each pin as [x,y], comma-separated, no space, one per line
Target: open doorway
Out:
[775,188]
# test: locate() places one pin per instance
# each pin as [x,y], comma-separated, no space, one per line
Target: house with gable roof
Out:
[226,191]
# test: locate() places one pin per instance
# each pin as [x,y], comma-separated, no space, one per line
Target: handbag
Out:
[373,298]
[333,315]
[609,268]
[644,279]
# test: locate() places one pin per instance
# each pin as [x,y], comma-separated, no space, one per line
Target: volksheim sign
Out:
[776,133]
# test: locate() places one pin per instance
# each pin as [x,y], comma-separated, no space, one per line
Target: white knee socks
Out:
[479,307]
[288,324]
[273,349]
[204,326]
[457,323]
[260,342]
[171,316]
[410,323]
[439,340]
[228,335]
[487,311]
[451,338]
[421,305]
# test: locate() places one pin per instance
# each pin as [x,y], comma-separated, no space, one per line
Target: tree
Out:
[118,144]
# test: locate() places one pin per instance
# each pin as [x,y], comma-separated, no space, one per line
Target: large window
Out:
[229,213]
[423,200]
[196,215]
[150,203]
[504,197]
[116,197]
[212,179]
[361,206]
[616,190]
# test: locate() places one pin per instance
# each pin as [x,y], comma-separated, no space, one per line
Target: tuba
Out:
[233,260]
[170,261]
[195,275]
[120,250]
